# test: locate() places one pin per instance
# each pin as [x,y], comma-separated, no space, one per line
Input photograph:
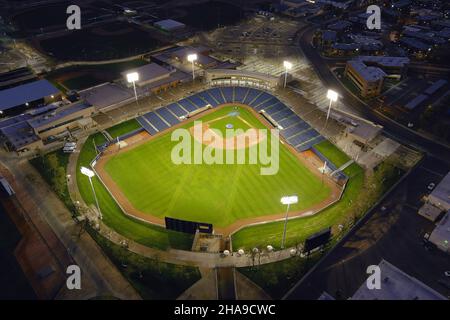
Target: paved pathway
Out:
[100,276]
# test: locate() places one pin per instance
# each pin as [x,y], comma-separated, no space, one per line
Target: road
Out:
[392,129]
[394,234]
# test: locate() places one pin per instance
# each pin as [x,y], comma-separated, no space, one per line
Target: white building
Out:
[440,197]
[396,285]
[440,236]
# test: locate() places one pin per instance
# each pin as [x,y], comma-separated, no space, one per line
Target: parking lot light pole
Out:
[288,200]
[333,97]
[192,58]
[89,173]
[287,66]
[132,78]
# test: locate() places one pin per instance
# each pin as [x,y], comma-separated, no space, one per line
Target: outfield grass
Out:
[146,234]
[336,156]
[299,229]
[220,193]
[123,128]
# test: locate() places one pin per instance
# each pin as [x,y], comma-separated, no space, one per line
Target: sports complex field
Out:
[148,184]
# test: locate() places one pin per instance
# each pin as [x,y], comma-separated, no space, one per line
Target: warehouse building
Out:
[27,96]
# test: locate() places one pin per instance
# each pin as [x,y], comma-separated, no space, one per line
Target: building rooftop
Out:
[384,61]
[24,93]
[396,285]
[414,43]
[19,134]
[417,101]
[340,25]
[169,24]
[57,114]
[148,73]
[442,191]
[329,35]
[369,74]
[441,234]
[106,95]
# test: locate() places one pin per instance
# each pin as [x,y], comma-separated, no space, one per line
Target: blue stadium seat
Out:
[286,123]
[309,143]
[282,114]
[295,129]
[239,94]
[144,123]
[251,95]
[166,115]
[266,104]
[176,109]
[260,99]
[207,98]
[155,121]
[216,94]
[187,105]
[227,93]
[197,101]
[275,108]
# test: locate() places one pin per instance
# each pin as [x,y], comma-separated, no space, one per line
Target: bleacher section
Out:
[297,132]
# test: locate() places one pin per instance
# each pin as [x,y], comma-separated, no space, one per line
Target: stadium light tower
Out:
[89,173]
[287,66]
[288,200]
[192,58]
[333,97]
[132,78]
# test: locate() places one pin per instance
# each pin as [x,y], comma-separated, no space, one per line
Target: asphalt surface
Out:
[391,128]
[394,234]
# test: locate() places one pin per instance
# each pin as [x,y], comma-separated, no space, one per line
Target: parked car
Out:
[431,186]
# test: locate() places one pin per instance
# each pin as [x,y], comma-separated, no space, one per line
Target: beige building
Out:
[227,77]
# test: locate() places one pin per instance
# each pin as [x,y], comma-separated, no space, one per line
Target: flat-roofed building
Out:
[170,25]
[17,99]
[368,80]
[396,285]
[440,196]
[440,236]
[29,131]
[430,212]
[155,78]
[394,67]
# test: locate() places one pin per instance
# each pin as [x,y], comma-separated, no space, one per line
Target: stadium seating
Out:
[297,132]
[167,115]
[176,110]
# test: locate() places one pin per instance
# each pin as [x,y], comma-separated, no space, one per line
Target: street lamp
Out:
[132,78]
[192,58]
[287,66]
[288,200]
[333,97]
[89,173]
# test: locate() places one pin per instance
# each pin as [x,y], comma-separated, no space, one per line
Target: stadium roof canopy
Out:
[28,92]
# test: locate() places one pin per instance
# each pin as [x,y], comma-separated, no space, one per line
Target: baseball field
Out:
[144,179]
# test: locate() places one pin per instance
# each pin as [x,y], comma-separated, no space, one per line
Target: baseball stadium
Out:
[136,176]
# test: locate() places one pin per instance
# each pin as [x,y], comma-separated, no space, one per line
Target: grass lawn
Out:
[146,234]
[336,156]
[299,229]
[218,193]
[123,128]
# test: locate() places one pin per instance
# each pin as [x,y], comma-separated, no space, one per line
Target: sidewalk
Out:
[99,276]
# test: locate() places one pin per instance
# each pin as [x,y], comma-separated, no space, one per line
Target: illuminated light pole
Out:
[288,200]
[89,173]
[132,78]
[287,66]
[192,58]
[333,97]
